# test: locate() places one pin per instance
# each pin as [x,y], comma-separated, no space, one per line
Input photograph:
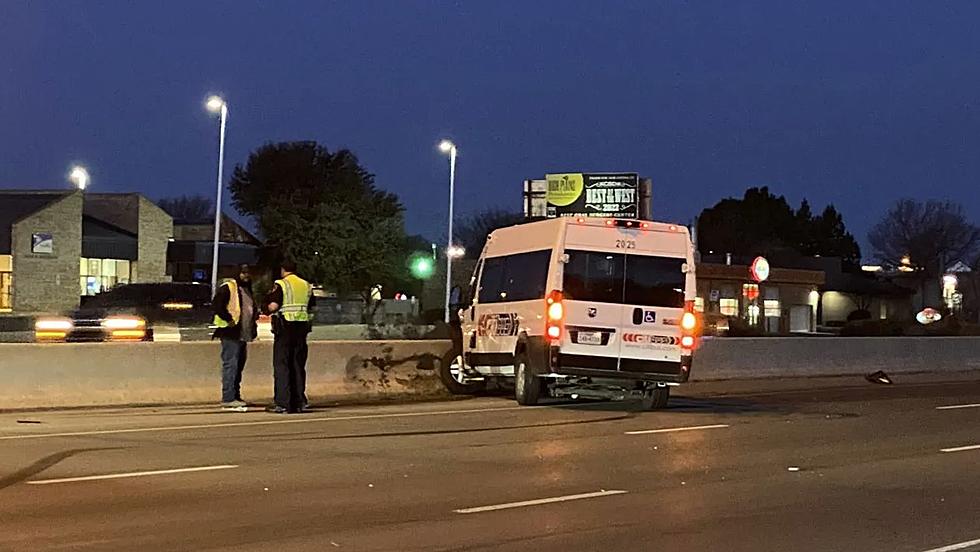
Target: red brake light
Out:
[610,222]
[645,225]
[689,326]
[556,315]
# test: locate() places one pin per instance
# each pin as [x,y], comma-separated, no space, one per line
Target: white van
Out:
[579,307]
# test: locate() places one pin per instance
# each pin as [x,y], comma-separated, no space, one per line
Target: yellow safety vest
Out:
[295,298]
[234,306]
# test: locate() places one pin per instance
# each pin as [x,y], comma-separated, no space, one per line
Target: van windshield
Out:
[616,278]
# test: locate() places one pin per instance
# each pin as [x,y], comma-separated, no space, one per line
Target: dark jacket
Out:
[280,326]
[220,305]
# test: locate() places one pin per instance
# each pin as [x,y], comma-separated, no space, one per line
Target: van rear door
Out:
[592,291]
[653,292]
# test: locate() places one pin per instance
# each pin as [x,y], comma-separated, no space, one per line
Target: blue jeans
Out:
[234,353]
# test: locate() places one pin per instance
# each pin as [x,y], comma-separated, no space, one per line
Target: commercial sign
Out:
[759,269]
[615,195]
[42,243]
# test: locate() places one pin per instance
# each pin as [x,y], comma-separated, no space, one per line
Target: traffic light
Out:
[421,266]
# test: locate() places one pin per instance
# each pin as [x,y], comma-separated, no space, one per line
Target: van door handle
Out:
[637,316]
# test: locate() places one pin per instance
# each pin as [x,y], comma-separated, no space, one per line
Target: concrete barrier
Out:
[94,374]
[730,358]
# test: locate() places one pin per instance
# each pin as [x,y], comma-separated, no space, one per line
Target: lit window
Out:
[98,275]
[729,307]
[699,304]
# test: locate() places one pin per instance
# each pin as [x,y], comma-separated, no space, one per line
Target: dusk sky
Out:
[855,103]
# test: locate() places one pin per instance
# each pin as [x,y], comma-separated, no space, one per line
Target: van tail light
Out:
[555,324]
[689,327]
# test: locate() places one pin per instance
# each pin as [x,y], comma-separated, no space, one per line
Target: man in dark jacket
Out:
[236,324]
[290,302]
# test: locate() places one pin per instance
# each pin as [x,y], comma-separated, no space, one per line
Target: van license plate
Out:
[590,338]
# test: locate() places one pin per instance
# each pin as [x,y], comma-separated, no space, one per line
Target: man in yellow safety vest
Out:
[289,303]
[235,320]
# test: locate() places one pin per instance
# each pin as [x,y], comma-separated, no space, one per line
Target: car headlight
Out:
[53,324]
[123,323]
[52,329]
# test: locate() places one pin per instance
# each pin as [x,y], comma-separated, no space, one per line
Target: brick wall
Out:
[156,228]
[48,283]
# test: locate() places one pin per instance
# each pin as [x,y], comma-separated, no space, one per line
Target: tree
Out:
[188,209]
[472,232]
[828,237]
[931,234]
[762,223]
[323,210]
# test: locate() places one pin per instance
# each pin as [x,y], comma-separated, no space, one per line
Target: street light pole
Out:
[217,105]
[448,147]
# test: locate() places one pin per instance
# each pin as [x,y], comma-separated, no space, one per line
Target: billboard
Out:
[593,195]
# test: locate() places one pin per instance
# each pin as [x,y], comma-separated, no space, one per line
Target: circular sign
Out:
[928,316]
[759,269]
[564,189]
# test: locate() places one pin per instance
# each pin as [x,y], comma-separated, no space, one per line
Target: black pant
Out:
[289,352]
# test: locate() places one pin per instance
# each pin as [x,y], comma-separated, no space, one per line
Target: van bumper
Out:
[613,368]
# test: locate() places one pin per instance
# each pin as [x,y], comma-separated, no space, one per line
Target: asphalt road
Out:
[819,464]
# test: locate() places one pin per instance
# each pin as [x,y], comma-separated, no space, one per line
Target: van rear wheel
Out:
[527,386]
[453,375]
[655,397]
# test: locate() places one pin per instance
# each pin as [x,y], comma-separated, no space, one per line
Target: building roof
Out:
[16,205]
[119,210]
[231,232]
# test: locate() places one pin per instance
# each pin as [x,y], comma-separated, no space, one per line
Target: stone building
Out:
[57,247]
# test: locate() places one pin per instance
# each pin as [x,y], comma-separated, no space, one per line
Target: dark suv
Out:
[134,311]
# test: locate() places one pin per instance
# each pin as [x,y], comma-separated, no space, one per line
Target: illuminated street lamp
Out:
[449,148]
[455,251]
[79,177]
[217,105]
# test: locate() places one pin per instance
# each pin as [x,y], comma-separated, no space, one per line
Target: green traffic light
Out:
[422,266]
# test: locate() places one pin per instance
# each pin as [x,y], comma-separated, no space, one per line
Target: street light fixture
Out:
[218,106]
[448,147]
[455,251]
[79,177]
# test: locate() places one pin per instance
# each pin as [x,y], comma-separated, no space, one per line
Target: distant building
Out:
[190,254]
[59,246]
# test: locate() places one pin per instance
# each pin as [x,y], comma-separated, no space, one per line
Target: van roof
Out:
[543,234]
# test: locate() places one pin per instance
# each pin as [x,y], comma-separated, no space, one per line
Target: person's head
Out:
[288,267]
[245,273]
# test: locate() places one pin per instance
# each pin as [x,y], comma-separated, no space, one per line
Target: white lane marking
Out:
[537,502]
[957,546]
[131,474]
[675,429]
[958,406]
[262,423]
[960,449]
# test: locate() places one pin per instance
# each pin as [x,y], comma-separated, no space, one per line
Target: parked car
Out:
[132,312]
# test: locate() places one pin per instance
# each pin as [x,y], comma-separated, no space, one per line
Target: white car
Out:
[579,307]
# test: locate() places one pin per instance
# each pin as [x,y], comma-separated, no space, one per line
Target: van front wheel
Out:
[527,386]
[453,375]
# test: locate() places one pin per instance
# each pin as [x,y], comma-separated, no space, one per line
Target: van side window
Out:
[520,277]
[526,276]
[490,280]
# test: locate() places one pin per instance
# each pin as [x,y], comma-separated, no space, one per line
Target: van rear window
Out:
[616,278]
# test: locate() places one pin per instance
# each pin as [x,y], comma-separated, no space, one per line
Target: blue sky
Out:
[855,103]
